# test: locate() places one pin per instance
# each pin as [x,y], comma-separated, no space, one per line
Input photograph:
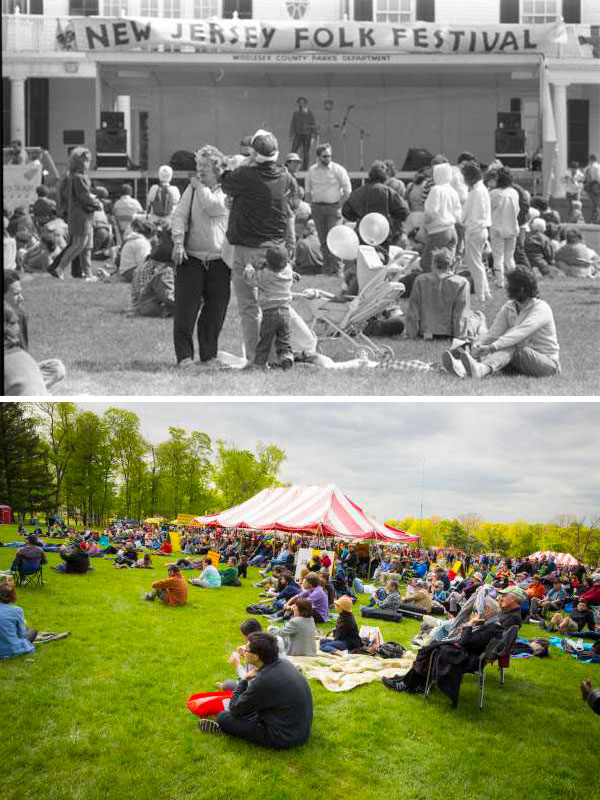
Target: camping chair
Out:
[497,650]
[29,573]
[331,320]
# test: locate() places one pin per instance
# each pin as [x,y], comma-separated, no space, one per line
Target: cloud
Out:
[506,461]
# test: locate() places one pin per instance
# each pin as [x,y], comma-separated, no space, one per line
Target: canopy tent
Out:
[560,559]
[324,510]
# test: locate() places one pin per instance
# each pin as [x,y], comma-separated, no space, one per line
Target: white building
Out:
[401,73]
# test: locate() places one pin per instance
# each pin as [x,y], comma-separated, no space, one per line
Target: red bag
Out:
[207,704]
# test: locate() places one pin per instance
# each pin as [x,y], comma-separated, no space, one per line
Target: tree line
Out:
[92,467]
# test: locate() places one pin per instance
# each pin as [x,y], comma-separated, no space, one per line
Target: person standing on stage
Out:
[327,188]
[302,129]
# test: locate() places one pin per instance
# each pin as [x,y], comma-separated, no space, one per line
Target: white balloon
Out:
[374,228]
[343,242]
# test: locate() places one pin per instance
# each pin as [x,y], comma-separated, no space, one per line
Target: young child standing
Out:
[274,281]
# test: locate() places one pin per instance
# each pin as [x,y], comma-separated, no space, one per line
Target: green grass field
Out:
[107,353]
[102,713]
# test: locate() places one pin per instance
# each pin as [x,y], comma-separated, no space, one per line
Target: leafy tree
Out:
[239,474]
[57,421]
[455,535]
[88,479]
[129,449]
[26,482]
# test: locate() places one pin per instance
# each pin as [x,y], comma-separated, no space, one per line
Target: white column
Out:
[123,103]
[17,109]
[560,118]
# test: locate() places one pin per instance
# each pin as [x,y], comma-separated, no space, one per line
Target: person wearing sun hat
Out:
[345,634]
[258,219]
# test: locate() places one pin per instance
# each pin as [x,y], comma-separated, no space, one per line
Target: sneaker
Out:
[185,363]
[474,368]
[148,596]
[286,363]
[394,684]
[209,726]
[452,365]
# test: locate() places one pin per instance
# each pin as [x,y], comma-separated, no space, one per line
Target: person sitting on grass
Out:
[272,706]
[386,599]
[16,639]
[166,548]
[229,575]
[553,600]
[242,567]
[420,600]
[345,634]
[574,622]
[210,577]
[575,259]
[75,559]
[145,562]
[590,696]
[539,250]
[235,659]
[523,336]
[298,633]
[313,591]
[172,591]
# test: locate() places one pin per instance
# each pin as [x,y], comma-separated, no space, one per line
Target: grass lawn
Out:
[102,713]
[107,353]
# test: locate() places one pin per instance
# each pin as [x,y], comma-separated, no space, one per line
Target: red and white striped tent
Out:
[306,509]
[560,559]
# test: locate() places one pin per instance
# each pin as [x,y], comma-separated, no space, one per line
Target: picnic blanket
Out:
[342,674]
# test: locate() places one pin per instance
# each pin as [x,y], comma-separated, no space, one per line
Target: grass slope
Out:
[107,353]
[101,715]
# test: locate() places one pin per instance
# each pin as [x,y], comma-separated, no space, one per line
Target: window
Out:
[425,10]
[206,8]
[571,12]
[539,11]
[171,8]
[393,11]
[149,8]
[363,10]
[509,12]
[116,8]
[243,8]
[84,8]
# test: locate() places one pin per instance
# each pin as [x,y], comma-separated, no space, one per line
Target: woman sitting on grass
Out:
[16,638]
[313,591]
[345,633]
[210,577]
[298,633]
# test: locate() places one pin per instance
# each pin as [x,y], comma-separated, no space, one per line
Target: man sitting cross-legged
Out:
[523,336]
[172,591]
[272,705]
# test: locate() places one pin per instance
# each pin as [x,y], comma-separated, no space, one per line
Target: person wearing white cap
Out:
[162,198]
[258,219]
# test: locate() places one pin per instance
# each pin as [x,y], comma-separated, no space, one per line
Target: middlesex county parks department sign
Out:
[297,41]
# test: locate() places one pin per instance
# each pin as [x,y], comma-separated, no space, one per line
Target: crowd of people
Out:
[245,222]
[464,603]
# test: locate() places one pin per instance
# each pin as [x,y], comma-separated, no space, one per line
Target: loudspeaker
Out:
[515,162]
[111,161]
[515,105]
[509,120]
[509,141]
[112,120]
[111,141]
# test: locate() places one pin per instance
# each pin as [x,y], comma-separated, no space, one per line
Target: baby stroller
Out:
[331,320]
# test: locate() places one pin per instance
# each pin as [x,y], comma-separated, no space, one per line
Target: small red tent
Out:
[6,516]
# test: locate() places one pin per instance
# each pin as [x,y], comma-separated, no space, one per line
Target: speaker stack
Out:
[111,141]
[510,139]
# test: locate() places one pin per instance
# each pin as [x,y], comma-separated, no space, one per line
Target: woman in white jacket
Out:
[504,201]
[202,278]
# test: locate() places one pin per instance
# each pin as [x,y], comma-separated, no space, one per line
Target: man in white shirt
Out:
[327,187]
[523,335]
[477,218]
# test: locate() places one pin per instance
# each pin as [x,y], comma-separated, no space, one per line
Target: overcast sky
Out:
[505,461]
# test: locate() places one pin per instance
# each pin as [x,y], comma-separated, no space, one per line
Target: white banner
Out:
[19,182]
[350,38]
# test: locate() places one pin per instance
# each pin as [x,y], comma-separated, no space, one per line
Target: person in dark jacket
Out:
[272,706]
[345,634]
[79,204]
[375,196]
[75,560]
[258,218]
[455,658]
[538,249]
[30,553]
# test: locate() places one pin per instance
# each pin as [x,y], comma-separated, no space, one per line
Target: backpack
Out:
[162,204]
[390,650]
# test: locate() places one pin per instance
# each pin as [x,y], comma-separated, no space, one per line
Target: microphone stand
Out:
[343,126]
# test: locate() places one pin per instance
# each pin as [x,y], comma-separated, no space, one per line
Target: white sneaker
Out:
[452,365]
[186,363]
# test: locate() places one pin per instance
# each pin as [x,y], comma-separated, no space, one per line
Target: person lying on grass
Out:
[345,634]
[210,577]
[522,337]
[172,591]
[272,705]
[16,638]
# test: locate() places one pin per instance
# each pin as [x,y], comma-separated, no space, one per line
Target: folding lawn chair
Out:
[347,321]
[29,573]
[497,650]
